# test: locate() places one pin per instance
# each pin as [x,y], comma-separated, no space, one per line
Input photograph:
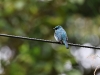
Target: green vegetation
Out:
[36,18]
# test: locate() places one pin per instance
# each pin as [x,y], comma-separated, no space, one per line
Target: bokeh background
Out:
[37,18]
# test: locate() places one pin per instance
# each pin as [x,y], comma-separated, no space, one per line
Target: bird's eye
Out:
[56,28]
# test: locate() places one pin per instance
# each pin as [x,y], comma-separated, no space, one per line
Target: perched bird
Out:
[61,36]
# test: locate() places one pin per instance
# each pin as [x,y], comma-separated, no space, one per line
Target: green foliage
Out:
[36,18]
[17,69]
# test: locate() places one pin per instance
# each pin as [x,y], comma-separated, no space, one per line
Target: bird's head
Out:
[57,27]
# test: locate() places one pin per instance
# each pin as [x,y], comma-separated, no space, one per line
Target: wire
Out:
[49,41]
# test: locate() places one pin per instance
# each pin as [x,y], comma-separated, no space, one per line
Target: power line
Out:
[49,41]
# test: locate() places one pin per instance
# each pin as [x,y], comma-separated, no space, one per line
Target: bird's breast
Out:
[56,37]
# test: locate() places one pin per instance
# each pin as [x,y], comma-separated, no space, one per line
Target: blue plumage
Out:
[61,36]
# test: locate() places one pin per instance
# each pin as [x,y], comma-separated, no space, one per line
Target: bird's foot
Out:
[61,42]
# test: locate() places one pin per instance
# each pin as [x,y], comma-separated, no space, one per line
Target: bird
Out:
[61,35]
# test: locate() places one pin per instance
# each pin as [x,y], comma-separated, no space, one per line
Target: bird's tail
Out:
[66,44]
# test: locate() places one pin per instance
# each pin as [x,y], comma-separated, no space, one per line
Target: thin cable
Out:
[49,41]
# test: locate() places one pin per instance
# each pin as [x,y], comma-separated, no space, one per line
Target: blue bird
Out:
[60,35]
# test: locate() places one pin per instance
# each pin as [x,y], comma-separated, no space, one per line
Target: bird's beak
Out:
[54,28]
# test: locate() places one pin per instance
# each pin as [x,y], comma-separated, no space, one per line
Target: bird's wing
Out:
[64,35]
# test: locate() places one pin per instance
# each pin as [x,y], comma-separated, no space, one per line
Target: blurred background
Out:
[37,18]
